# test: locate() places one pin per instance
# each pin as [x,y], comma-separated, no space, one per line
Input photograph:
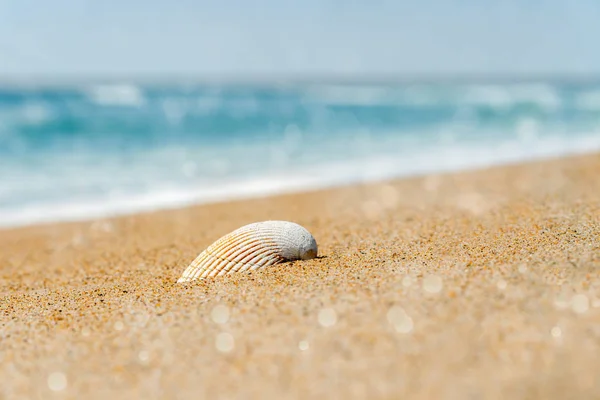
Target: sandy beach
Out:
[473,285]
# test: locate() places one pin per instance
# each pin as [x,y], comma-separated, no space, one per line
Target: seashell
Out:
[251,247]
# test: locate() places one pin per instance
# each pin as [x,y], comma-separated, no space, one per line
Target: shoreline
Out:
[482,283]
[291,191]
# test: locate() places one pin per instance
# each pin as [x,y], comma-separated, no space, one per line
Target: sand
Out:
[481,284]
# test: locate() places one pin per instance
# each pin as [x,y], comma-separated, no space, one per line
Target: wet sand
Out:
[481,284]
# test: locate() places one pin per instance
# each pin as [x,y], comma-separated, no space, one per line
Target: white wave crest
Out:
[116,95]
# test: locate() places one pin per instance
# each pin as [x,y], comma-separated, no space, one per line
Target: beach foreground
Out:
[481,284]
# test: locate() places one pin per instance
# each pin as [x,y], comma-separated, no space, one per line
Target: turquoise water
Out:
[82,151]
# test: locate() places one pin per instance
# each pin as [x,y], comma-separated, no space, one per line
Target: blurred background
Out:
[114,107]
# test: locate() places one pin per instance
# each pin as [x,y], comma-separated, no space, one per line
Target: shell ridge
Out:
[208,265]
[196,265]
[245,246]
[243,253]
[250,257]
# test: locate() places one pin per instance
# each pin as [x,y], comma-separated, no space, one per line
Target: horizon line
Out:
[316,78]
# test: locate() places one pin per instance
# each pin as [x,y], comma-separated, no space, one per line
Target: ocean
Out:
[79,151]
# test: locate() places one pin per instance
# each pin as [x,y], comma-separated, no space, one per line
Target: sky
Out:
[296,38]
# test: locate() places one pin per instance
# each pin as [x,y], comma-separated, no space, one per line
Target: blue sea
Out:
[85,150]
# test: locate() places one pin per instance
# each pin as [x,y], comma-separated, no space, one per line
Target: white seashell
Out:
[251,247]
